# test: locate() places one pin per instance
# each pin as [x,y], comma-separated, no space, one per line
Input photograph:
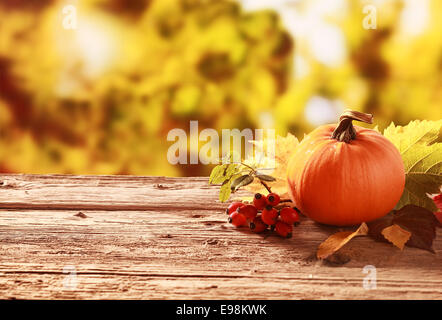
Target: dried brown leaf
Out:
[417,220]
[338,240]
[396,235]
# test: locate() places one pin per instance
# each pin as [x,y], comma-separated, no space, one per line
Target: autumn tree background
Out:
[101,99]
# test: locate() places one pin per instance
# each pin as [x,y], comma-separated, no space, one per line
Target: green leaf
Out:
[241,181]
[421,150]
[216,174]
[223,172]
[224,192]
[231,170]
[265,177]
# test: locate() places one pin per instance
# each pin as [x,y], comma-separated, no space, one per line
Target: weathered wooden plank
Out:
[105,192]
[185,251]
[150,254]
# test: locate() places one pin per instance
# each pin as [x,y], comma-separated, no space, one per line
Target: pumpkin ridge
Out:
[300,177]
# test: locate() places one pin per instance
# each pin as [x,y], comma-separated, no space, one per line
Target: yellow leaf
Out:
[274,163]
[396,235]
[338,240]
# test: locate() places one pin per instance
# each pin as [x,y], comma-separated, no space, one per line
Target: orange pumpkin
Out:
[345,175]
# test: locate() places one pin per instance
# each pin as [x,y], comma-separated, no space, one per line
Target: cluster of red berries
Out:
[264,213]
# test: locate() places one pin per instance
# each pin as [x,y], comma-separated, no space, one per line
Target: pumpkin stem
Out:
[345,131]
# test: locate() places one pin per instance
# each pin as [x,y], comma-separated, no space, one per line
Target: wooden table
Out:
[125,237]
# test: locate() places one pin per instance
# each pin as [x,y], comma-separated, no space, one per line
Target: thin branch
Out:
[265,185]
[246,165]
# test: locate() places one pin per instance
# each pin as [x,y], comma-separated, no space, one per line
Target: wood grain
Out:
[167,238]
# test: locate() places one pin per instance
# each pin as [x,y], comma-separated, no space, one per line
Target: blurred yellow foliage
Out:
[101,99]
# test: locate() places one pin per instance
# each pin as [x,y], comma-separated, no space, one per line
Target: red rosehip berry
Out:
[249,211]
[289,215]
[269,215]
[237,219]
[233,206]
[259,201]
[284,229]
[257,225]
[273,199]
